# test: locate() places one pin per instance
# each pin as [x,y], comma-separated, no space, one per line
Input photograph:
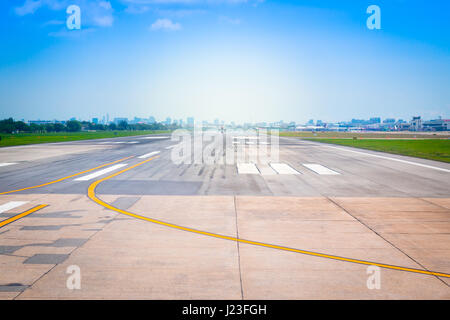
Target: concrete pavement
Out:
[374,208]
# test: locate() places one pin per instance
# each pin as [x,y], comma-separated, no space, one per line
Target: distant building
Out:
[416,124]
[168,121]
[436,125]
[118,120]
[40,122]
[389,120]
[95,120]
[375,120]
[190,122]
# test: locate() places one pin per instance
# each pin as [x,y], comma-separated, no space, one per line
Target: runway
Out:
[336,201]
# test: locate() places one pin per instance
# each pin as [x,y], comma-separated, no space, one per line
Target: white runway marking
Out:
[11,205]
[247,168]
[101,172]
[318,168]
[165,137]
[282,168]
[4,164]
[133,142]
[148,155]
[266,170]
[171,147]
[393,159]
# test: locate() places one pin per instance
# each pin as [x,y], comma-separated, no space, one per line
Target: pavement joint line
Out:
[68,177]
[21,215]
[92,195]
[379,235]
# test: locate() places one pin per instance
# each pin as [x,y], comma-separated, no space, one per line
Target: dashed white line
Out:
[318,168]
[4,164]
[283,168]
[247,168]
[101,172]
[11,205]
[148,155]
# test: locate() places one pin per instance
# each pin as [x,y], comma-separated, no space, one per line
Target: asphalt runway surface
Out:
[309,225]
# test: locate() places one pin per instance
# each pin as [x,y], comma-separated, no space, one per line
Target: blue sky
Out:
[234,60]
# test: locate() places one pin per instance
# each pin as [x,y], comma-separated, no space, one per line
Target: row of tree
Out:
[11,126]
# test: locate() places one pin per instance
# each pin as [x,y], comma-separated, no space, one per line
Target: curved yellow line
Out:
[92,196]
[68,177]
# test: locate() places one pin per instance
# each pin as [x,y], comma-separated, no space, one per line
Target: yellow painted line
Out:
[21,215]
[92,196]
[65,178]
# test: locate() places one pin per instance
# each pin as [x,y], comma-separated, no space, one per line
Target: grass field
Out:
[32,138]
[434,149]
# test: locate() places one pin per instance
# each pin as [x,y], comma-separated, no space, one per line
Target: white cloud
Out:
[104,21]
[93,13]
[229,20]
[165,24]
[136,9]
[29,7]
[181,13]
[105,5]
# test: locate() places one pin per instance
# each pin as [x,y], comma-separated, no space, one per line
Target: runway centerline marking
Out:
[68,177]
[148,155]
[11,205]
[100,173]
[93,197]
[21,215]
[320,169]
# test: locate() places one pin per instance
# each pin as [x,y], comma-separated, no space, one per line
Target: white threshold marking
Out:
[147,155]
[101,172]
[4,164]
[247,168]
[165,137]
[389,158]
[320,169]
[283,168]
[11,205]
[266,170]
